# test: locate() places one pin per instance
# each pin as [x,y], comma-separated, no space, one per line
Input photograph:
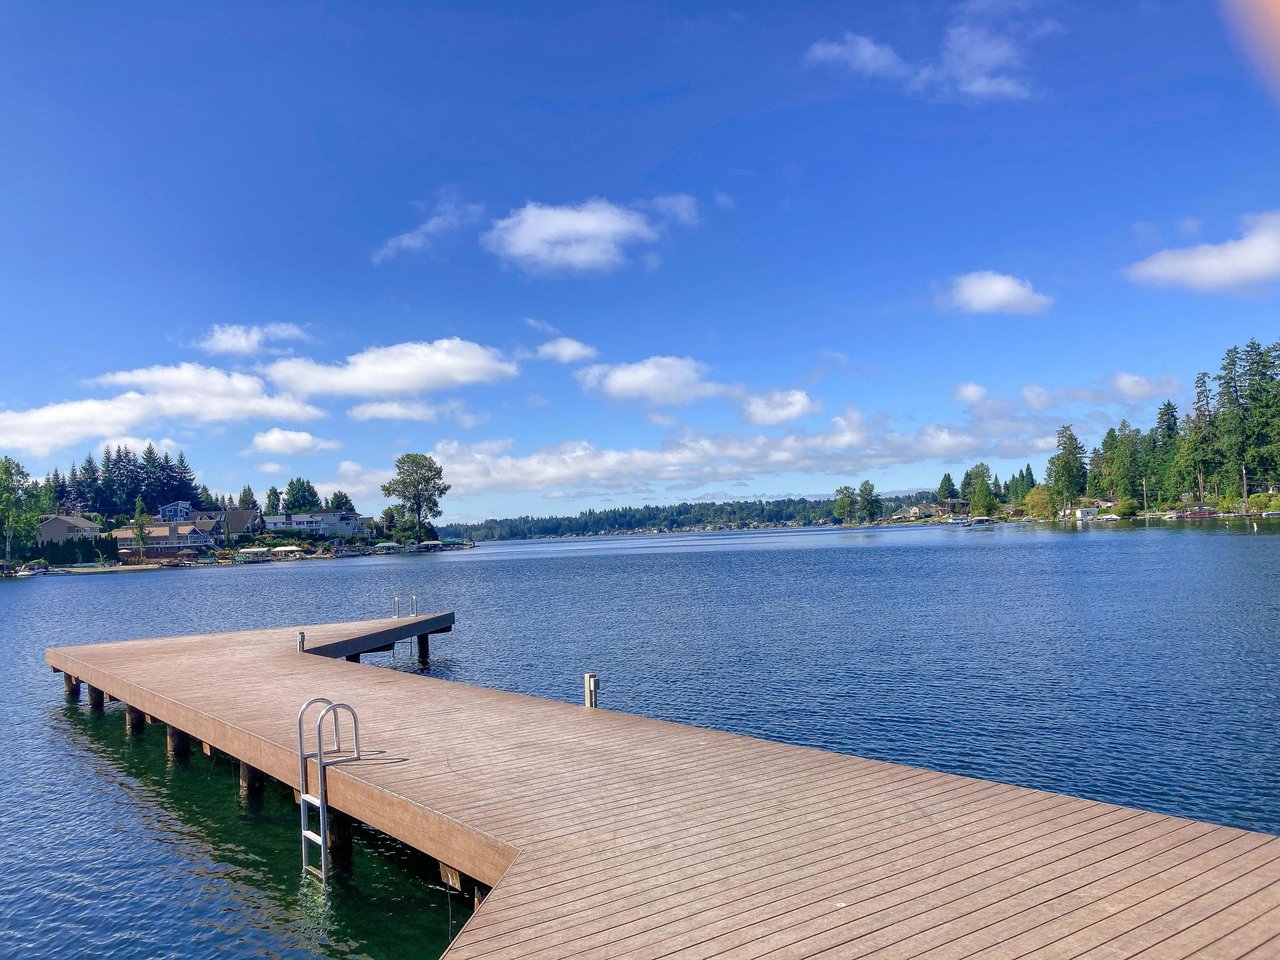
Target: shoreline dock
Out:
[603,834]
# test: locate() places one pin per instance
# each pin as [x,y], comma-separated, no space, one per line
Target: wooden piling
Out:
[424,651]
[177,743]
[252,781]
[133,721]
[341,832]
[353,658]
[450,876]
[71,686]
[96,699]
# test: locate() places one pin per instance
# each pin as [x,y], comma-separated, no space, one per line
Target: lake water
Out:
[1138,665]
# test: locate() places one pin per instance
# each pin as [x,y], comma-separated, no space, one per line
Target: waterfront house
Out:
[922,511]
[59,529]
[179,510]
[320,523]
[166,539]
[953,508]
[234,524]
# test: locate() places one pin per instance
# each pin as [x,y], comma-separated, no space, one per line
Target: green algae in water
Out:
[390,905]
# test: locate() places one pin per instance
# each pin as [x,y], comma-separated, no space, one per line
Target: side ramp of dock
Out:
[608,835]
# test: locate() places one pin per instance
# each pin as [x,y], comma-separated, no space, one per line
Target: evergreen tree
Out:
[168,479]
[846,503]
[947,488]
[1095,482]
[340,501]
[128,478]
[152,481]
[982,499]
[87,492]
[58,485]
[300,496]
[1067,473]
[108,497]
[870,503]
[247,500]
[273,501]
[205,498]
[73,490]
[184,480]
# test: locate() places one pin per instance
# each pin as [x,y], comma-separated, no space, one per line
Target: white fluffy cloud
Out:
[846,447]
[415,410]
[566,350]
[860,54]
[680,207]
[289,442]
[360,483]
[661,381]
[592,236]
[968,393]
[403,368]
[1133,386]
[982,56]
[1251,260]
[186,392]
[773,407]
[985,291]
[449,215]
[1120,388]
[234,338]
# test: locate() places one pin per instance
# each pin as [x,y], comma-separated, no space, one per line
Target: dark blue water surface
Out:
[1138,665]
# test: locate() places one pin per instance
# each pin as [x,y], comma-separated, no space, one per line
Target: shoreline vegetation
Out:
[1222,457]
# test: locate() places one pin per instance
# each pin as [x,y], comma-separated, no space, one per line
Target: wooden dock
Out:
[609,835]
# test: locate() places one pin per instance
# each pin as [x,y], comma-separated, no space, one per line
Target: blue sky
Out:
[607,254]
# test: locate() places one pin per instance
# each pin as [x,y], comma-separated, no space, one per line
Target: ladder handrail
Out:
[321,798]
[334,708]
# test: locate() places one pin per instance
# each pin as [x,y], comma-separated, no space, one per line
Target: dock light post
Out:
[590,689]
[302,640]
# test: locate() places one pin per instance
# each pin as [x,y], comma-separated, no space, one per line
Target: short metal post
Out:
[590,689]
[413,605]
[302,641]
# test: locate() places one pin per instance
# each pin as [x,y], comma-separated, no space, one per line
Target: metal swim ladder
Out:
[324,759]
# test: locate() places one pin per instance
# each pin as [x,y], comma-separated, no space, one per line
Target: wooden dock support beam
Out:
[353,658]
[133,721]
[96,699]
[71,685]
[424,651]
[252,781]
[341,832]
[177,743]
